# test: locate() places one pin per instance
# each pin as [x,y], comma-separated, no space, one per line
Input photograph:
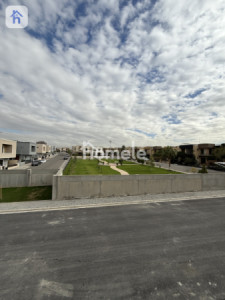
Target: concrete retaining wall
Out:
[14,178]
[28,177]
[72,187]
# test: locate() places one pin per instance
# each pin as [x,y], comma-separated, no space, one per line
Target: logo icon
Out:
[16,16]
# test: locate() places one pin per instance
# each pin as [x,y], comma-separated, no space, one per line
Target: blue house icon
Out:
[16,16]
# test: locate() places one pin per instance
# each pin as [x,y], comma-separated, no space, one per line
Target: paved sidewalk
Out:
[113,166]
[48,205]
[122,172]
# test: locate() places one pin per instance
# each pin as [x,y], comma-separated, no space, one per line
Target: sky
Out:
[114,72]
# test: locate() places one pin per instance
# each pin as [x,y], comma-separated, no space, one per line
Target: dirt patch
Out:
[34,195]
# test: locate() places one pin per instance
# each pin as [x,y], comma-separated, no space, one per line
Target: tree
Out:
[69,151]
[152,164]
[140,160]
[219,153]
[203,169]
[122,149]
[185,159]
[168,153]
[158,155]
[121,161]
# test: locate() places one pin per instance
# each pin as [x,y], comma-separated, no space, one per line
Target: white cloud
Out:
[94,76]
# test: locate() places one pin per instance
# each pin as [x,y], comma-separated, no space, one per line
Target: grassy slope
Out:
[87,167]
[140,169]
[125,162]
[26,194]
[128,162]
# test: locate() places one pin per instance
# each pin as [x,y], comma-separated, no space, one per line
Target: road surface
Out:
[185,169]
[52,163]
[170,250]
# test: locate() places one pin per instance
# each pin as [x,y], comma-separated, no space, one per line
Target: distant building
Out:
[41,147]
[151,151]
[26,151]
[203,153]
[77,149]
[7,153]
[48,149]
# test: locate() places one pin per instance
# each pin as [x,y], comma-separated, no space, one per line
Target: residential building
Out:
[7,153]
[205,154]
[76,149]
[48,149]
[41,148]
[151,151]
[25,151]
[189,149]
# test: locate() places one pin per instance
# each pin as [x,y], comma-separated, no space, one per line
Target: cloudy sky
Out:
[152,72]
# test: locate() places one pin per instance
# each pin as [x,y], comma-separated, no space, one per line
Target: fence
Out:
[72,187]
[28,177]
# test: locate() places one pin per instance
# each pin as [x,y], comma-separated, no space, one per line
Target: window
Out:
[6,148]
[33,149]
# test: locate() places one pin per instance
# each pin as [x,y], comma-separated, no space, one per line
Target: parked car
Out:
[35,163]
[65,158]
[43,161]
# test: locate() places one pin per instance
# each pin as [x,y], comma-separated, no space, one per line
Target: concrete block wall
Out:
[14,178]
[72,187]
[42,177]
[28,177]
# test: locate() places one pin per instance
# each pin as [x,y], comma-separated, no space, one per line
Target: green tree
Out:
[168,153]
[121,149]
[121,161]
[158,156]
[151,162]
[140,160]
[203,169]
[219,153]
[69,151]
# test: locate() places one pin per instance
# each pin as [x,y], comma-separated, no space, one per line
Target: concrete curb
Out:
[71,205]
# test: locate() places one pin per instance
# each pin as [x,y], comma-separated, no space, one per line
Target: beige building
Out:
[203,153]
[48,148]
[41,147]
[151,151]
[77,149]
[7,153]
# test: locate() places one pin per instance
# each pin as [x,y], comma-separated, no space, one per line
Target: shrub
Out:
[203,170]
[121,161]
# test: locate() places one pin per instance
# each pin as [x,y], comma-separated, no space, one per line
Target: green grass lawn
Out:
[128,162]
[114,161]
[26,194]
[111,160]
[87,167]
[142,169]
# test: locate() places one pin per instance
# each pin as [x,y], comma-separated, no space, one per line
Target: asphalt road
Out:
[170,250]
[52,163]
[181,168]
